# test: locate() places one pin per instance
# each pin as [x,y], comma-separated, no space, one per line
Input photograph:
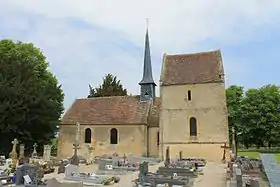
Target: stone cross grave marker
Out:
[21,151]
[34,153]
[224,154]
[47,152]
[75,159]
[14,152]
[167,157]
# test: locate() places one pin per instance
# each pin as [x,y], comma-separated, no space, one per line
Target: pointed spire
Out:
[147,71]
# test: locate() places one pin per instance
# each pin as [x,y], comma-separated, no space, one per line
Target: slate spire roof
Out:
[147,71]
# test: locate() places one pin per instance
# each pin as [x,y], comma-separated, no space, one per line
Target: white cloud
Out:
[81,56]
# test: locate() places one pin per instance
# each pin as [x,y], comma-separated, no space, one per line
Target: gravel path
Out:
[214,175]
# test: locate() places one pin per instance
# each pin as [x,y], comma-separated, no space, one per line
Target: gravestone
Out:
[61,168]
[14,152]
[32,171]
[21,151]
[8,162]
[75,159]
[34,153]
[70,169]
[47,152]
[89,155]
[238,177]
[54,183]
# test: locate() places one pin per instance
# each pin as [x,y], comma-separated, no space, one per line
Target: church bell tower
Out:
[147,83]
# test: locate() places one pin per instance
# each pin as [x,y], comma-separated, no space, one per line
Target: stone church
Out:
[189,116]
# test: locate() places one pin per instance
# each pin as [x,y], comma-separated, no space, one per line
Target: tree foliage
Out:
[30,97]
[255,115]
[111,86]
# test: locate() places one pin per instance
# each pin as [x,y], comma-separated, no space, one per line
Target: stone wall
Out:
[208,106]
[131,139]
[153,146]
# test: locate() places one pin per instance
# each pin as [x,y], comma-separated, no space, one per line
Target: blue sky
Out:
[85,39]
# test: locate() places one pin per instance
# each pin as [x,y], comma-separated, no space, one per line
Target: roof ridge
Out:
[191,54]
[108,97]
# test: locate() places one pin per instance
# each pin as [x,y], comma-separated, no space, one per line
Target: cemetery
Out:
[37,170]
[129,170]
[252,172]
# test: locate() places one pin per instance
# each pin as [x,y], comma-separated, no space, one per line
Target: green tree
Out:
[234,98]
[31,101]
[260,115]
[110,87]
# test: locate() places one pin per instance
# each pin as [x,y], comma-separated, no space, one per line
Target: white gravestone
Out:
[21,151]
[70,169]
[47,152]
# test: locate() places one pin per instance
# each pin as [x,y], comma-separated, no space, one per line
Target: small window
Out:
[113,136]
[189,95]
[157,138]
[146,94]
[88,135]
[193,127]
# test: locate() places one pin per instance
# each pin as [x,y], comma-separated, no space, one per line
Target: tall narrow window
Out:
[189,95]
[157,138]
[193,127]
[113,136]
[88,135]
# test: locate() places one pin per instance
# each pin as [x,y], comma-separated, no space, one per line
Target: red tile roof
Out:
[108,110]
[205,67]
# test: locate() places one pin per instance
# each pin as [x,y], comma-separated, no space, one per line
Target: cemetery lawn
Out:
[257,155]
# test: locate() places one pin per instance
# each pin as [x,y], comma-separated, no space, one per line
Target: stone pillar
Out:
[47,152]
[21,151]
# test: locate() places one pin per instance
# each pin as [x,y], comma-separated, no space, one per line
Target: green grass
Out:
[257,155]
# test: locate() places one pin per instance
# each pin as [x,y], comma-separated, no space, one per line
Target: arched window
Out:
[113,136]
[88,135]
[157,138]
[193,127]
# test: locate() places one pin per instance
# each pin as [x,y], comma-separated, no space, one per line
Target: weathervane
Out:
[147,22]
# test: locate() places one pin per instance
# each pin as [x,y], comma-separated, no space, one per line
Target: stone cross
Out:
[78,131]
[75,159]
[47,152]
[21,151]
[34,154]
[14,152]
[224,154]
